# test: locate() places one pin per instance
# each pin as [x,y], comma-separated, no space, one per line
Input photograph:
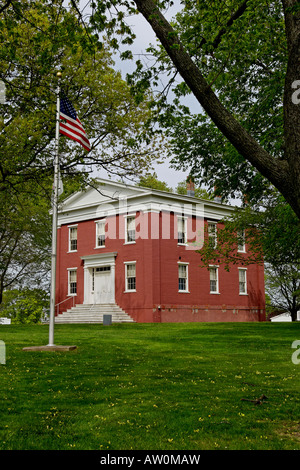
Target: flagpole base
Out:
[50,347]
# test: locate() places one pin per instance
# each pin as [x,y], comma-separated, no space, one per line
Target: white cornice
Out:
[145,200]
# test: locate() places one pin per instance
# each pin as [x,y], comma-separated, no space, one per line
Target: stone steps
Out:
[93,314]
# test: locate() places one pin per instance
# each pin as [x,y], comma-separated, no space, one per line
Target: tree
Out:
[150,181]
[24,306]
[37,39]
[202,45]
[25,238]
[283,288]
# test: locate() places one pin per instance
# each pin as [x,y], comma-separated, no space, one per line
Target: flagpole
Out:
[51,346]
[54,219]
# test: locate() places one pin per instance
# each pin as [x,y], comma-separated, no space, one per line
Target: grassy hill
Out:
[151,386]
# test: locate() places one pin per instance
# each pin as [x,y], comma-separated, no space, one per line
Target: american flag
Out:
[70,124]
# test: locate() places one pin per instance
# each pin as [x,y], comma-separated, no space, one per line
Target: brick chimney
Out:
[190,186]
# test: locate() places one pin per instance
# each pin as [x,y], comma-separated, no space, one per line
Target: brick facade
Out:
[154,256]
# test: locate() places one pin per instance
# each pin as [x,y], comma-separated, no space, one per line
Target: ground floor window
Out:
[182,277]
[214,279]
[242,281]
[130,276]
[72,281]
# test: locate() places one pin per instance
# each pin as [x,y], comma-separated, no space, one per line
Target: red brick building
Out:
[136,248]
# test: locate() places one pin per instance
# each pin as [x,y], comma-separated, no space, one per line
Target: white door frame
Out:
[97,261]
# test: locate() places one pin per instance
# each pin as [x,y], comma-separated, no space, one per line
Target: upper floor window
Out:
[181,230]
[130,229]
[73,238]
[100,234]
[241,241]
[212,234]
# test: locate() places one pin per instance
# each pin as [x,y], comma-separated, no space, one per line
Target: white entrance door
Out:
[99,278]
[103,288]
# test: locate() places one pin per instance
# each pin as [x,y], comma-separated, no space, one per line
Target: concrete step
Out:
[85,313]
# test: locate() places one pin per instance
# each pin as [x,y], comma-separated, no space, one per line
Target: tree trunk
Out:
[293,313]
[290,105]
[283,174]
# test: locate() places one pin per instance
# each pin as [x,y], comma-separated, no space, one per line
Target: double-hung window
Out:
[212,234]
[72,281]
[243,281]
[73,238]
[214,279]
[130,276]
[241,241]
[130,229]
[183,284]
[181,230]
[100,233]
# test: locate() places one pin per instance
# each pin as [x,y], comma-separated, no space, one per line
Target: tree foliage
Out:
[240,60]
[24,306]
[38,39]
[271,233]
[150,180]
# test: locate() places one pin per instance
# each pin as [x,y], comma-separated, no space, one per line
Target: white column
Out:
[112,280]
[86,287]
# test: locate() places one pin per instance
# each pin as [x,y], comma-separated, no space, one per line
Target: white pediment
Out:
[105,192]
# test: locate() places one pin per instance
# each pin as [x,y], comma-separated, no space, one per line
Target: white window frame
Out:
[98,222]
[245,281]
[70,227]
[216,267]
[127,241]
[70,270]
[181,263]
[241,237]
[181,219]
[126,264]
[214,236]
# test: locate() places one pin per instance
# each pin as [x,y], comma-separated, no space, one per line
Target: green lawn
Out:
[151,386]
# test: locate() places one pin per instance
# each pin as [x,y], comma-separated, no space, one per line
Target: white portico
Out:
[99,278]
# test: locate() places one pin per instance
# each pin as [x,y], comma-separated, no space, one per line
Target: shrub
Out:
[24,306]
